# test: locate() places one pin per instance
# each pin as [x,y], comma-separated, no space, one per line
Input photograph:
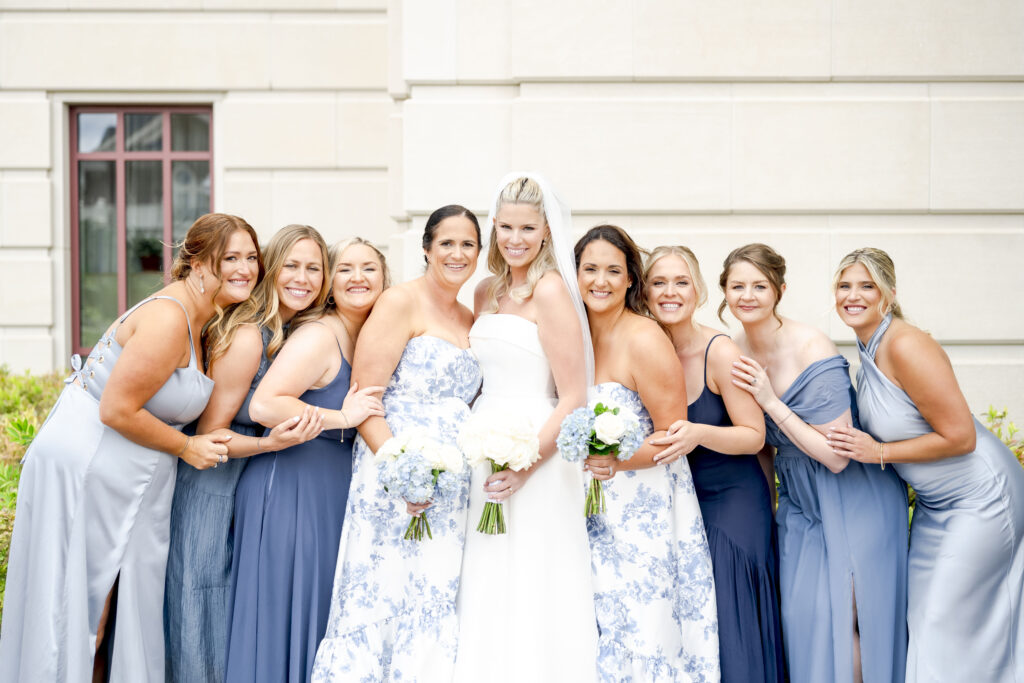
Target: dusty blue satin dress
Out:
[838,533]
[198,589]
[93,507]
[289,509]
[736,505]
[966,610]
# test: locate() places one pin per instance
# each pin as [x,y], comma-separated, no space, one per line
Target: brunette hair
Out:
[262,308]
[881,269]
[765,259]
[519,191]
[447,212]
[618,238]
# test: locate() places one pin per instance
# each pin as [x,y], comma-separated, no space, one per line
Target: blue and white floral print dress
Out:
[654,590]
[393,606]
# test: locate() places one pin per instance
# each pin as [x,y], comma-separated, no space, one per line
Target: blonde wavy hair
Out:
[519,191]
[335,252]
[881,269]
[690,259]
[262,307]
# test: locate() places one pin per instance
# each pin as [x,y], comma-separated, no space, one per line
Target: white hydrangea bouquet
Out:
[600,430]
[418,468]
[506,443]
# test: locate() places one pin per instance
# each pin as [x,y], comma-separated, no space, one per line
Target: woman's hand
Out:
[681,438]
[601,467]
[751,377]
[500,486]
[294,430]
[854,444]
[360,404]
[415,509]
[206,450]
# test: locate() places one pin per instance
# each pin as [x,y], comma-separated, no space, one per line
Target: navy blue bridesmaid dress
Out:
[289,509]
[736,504]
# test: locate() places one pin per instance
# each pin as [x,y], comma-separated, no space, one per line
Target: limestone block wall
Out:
[298,90]
[816,126]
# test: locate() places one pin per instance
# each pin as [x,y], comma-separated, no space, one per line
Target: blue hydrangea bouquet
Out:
[600,430]
[419,469]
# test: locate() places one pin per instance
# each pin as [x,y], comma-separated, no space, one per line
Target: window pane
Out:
[97,249]
[144,224]
[97,133]
[190,132]
[143,132]
[191,192]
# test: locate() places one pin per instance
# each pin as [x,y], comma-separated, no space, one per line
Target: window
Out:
[139,177]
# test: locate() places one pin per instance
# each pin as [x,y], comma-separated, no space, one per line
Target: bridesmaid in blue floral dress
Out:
[966,609]
[722,433]
[842,525]
[289,506]
[240,345]
[652,573]
[392,614]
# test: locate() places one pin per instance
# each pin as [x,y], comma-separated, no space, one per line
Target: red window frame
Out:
[119,156]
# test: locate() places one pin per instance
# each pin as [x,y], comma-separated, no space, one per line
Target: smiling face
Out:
[300,279]
[358,278]
[239,269]
[453,252]
[749,293]
[519,232]
[603,277]
[671,293]
[859,302]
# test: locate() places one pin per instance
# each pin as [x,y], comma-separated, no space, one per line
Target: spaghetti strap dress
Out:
[736,505]
[839,534]
[93,507]
[198,589]
[966,602]
[289,509]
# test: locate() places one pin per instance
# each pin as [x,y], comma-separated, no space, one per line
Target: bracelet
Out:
[259,447]
[881,454]
[188,440]
[347,425]
[779,423]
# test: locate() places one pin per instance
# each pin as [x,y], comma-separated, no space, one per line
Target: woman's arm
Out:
[751,377]
[561,337]
[744,437]
[309,353]
[922,368]
[232,374]
[378,350]
[148,359]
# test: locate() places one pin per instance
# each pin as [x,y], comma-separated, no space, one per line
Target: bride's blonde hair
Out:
[519,191]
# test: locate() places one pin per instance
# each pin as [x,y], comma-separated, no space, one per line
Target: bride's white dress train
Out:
[526,600]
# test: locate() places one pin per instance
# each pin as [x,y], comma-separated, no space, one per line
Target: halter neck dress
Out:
[838,533]
[198,590]
[966,602]
[94,507]
[736,505]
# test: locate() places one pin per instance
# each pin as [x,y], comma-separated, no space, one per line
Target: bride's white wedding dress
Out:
[526,601]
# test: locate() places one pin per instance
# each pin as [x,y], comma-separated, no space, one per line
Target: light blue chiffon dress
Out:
[198,592]
[392,615]
[838,534]
[966,611]
[93,507]
[654,591]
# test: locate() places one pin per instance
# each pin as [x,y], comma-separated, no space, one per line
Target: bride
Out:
[530,586]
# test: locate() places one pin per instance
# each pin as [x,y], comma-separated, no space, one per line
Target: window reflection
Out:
[190,190]
[190,132]
[143,132]
[97,132]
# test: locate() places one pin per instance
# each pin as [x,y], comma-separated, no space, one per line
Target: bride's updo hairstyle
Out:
[881,269]
[519,191]
[765,259]
[617,237]
[439,215]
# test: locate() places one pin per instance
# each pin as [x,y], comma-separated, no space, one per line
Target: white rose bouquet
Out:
[505,443]
[599,431]
[418,468]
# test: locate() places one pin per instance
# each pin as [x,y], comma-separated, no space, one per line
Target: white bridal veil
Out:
[560,222]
